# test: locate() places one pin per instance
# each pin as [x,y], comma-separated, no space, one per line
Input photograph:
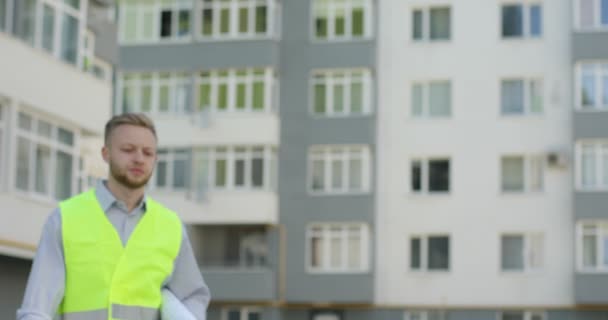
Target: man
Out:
[107,253]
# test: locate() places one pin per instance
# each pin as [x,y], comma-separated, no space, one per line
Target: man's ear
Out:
[105,153]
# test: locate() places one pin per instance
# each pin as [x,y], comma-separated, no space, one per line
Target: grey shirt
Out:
[46,283]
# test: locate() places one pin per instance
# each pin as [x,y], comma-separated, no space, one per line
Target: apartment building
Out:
[56,65]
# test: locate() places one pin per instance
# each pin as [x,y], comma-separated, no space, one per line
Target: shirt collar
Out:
[107,200]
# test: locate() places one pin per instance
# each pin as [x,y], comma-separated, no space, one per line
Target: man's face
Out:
[131,154]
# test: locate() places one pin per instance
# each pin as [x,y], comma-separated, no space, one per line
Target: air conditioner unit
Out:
[557,159]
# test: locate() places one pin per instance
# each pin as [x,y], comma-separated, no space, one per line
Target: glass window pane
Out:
[415,253]
[257,172]
[417,100]
[512,169]
[224,21]
[340,22]
[604,162]
[180,171]
[128,98]
[536,20]
[440,99]
[222,103]
[2,15]
[604,12]
[336,174]
[439,175]
[439,253]
[261,13]
[241,95]
[234,315]
[588,87]
[166,22]
[588,164]
[146,98]
[320,99]
[164,99]
[358,22]
[355,175]
[417,25]
[220,173]
[69,39]
[48,29]
[512,97]
[338,105]
[43,170]
[207,25]
[184,23]
[318,175]
[512,315]
[65,136]
[23,164]
[589,251]
[512,253]
[73,3]
[243,20]
[605,250]
[416,178]
[239,172]
[45,129]
[26,20]
[321,27]
[25,121]
[254,315]
[604,88]
[316,252]
[356,97]
[148,24]
[354,249]
[161,174]
[536,96]
[63,176]
[512,21]
[258,95]
[440,23]
[536,174]
[586,13]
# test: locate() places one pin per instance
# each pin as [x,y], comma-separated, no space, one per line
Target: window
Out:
[521,252]
[234,247]
[3,13]
[342,19]
[522,20]
[155,20]
[339,169]
[592,86]
[241,313]
[236,19]
[159,93]
[426,315]
[431,24]
[430,253]
[52,25]
[338,247]
[327,315]
[341,93]
[236,90]
[235,168]
[431,100]
[592,246]
[45,158]
[521,315]
[521,96]
[522,173]
[173,169]
[591,14]
[430,176]
[3,152]
[592,165]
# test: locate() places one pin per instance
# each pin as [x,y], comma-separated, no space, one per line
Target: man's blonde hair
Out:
[134,119]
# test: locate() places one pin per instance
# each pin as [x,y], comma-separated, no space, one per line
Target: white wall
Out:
[475,212]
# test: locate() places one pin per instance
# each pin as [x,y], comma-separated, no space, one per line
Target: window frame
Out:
[155,7]
[426,98]
[272,15]
[528,173]
[526,314]
[244,311]
[598,154]
[325,153]
[597,25]
[368,21]
[425,175]
[526,26]
[424,238]
[598,73]
[328,78]
[426,23]
[174,82]
[325,236]
[425,314]
[527,251]
[528,84]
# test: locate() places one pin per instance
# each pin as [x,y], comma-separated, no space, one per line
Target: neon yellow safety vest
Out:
[106,281]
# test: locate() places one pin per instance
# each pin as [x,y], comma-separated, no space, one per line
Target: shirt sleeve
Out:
[186,282]
[46,282]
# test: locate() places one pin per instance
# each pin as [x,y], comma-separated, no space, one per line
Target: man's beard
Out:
[123,179]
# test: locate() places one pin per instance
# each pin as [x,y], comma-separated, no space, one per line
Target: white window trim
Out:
[244,311]
[526,19]
[425,172]
[232,80]
[155,7]
[328,80]
[528,237]
[528,160]
[598,73]
[527,314]
[423,314]
[528,82]
[33,138]
[426,23]
[326,150]
[599,165]
[368,31]
[169,158]
[600,225]
[272,14]
[326,237]
[597,25]
[424,253]
[426,94]
[175,80]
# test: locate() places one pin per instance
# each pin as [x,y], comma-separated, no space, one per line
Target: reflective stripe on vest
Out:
[100,272]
